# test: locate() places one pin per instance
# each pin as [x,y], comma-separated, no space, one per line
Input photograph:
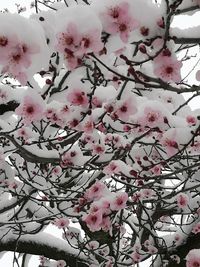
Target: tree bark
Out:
[57,251]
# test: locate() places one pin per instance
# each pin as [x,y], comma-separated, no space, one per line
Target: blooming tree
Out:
[96,137]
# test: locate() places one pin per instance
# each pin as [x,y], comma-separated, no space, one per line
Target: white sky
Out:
[6,259]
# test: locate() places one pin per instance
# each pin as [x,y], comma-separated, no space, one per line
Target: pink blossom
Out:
[96,191]
[196,228]
[88,125]
[182,200]
[6,45]
[93,245]
[77,97]
[74,45]
[118,11]
[105,204]
[69,158]
[13,185]
[94,207]
[198,75]
[193,258]
[96,102]
[93,221]
[24,132]
[161,23]
[106,223]
[168,70]
[170,145]
[3,96]
[18,60]
[91,42]
[118,19]
[152,249]
[178,238]
[125,26]
[191,120]
[109,263]
[74,123]
[71,60]
[101,128]
[61,222]
[136,257]
[126,108]
[119,201]
[105,251]
[43,260]
[70,38]
[147,193]
[31,109]
[136,197]
[112,168]
[98,149]
[57,170]
[156,170]
[61,263]
[151,118]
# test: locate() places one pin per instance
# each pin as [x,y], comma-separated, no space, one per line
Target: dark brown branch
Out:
[10,106]
[31,246]
[186,40]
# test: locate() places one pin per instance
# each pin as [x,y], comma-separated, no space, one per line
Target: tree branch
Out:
[46,245]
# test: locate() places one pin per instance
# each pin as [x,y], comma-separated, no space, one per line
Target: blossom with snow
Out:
[136,257]
[196,228]
[193,258]
[117,19]
[112,168]
[96,191]
[61,263]
[21,54]
[119,201]
[77,97]
[61,223]
[76,38]
[126,108]
[31,109]
[167,68]
[93,220]
[98,134]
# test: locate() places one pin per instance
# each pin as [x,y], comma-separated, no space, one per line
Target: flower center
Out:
[169,70]
[114,13]
[94,219]
[30,110]
[3,41]
[69,40]
[16,57]
[122,27]
[86,42]
[123,109]
[196,264]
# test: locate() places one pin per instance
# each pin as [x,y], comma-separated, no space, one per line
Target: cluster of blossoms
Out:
[74,41]
[104,142]
[117,19]
[20,56]
[102,203]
